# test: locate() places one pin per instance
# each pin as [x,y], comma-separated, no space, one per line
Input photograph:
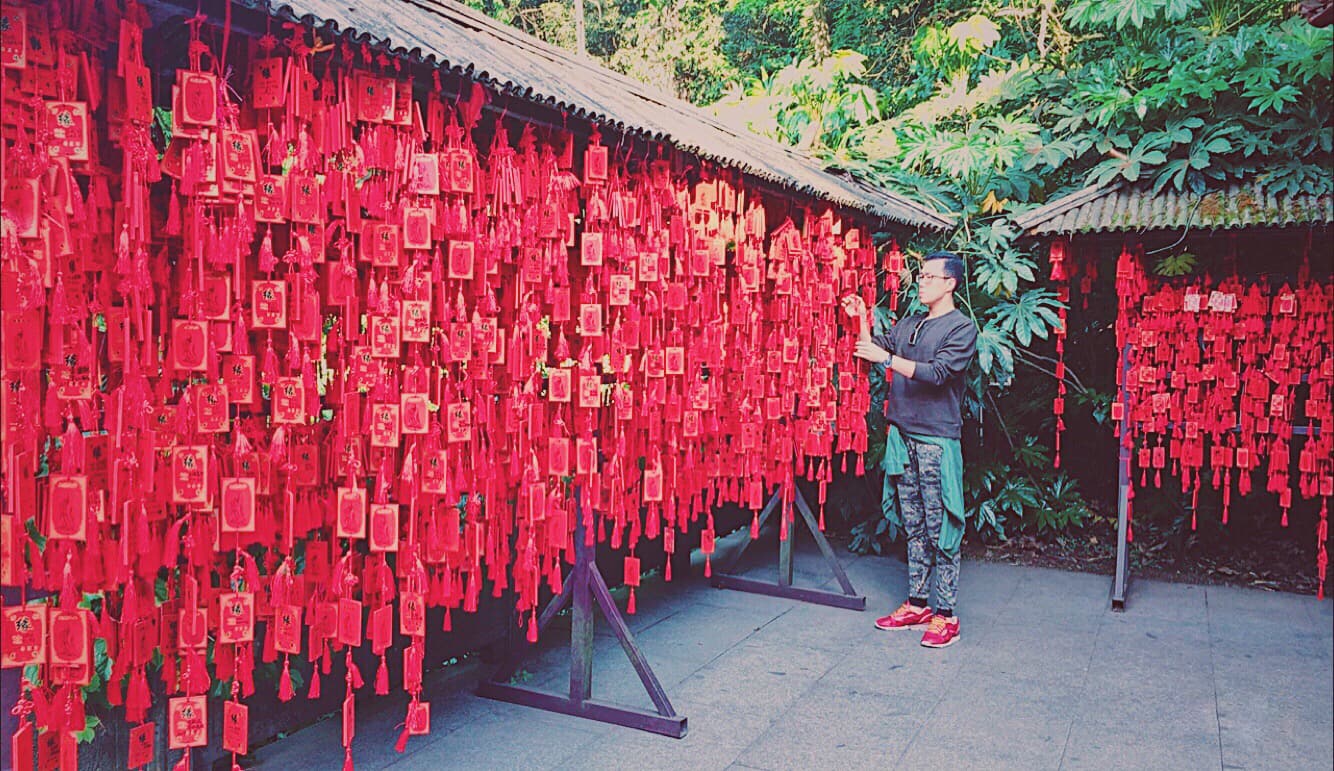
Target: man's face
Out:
[932,283]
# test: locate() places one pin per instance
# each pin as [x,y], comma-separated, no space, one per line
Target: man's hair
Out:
[953,265]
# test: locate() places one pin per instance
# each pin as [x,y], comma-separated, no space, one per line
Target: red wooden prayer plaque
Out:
[23,633]
[68,507]
[238,505]
[189,345]
[268,309]
[235,727]
[287,629]
[384,527]
[349,622]
[69,637]
[187,722]
[385,427]
[351,512]
[236,617]
[143,741]
[411,614]
[415,413]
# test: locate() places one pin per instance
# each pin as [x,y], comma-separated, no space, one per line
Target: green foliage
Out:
[1175,265]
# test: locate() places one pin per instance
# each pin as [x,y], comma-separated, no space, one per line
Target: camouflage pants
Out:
[923,511]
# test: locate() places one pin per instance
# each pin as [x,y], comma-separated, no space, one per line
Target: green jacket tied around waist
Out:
[951,481]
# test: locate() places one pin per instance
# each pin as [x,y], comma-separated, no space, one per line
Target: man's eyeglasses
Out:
[922,277]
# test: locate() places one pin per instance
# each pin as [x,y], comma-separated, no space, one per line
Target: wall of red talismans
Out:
[345,349]
[1229,384]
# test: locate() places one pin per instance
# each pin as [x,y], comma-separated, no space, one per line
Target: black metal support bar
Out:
[1123,492]
[583,589]
[723,579]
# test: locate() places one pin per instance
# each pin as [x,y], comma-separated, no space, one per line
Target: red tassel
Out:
[667,569]
[402,744]
[449,622]
[382,679]
[755,526]
[532,627]
[353,671]
[630,606]
[314,692]
[285,682]
[347,760]
[708,566]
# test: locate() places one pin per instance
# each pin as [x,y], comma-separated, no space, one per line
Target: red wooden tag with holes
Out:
[289,401]
[68,507]
[386,333]
[585,456]
[143,741]
[349,719]
[189,345]
[67,130]
[590,249]
[434,470]
[351,512]
[459,422]
[69,638]
[215,299]
[238,375]
[411,614]
[266,84]
[211,408]
[382,628]
[460,166]
[199,97]
[23,635]
[268,304]
[460,259]
[240,155]
[632,571]
[621,285]
[558,385]
[590,320]
[558,457]
[595,164]
[590,391]
[235,727]
[306,203]
[416,324]
[287,629]
[238,505]
[415,413]
[384,527]
[14,39]
[674,360]
[416,227]
[187,722]
[419,718]
[424,174]
[192,628]
[385,431]
[236,620]
[271,199]
[653,484]
[349,622]
[385,245]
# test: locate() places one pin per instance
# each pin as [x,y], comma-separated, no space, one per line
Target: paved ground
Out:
[1044,677]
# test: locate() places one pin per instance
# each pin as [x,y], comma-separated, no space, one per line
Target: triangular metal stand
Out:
[583,587]
[849,598]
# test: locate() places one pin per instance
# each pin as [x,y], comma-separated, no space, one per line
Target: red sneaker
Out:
[905,617]
[942,633]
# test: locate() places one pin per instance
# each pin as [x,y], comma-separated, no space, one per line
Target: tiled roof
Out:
[1122,207]
[445,34]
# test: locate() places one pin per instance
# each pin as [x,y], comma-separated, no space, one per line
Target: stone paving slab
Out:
[1045,676]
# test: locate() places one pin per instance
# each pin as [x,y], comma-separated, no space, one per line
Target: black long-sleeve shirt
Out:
[930,402]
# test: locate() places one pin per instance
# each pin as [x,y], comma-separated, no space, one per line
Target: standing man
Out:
[926,357]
